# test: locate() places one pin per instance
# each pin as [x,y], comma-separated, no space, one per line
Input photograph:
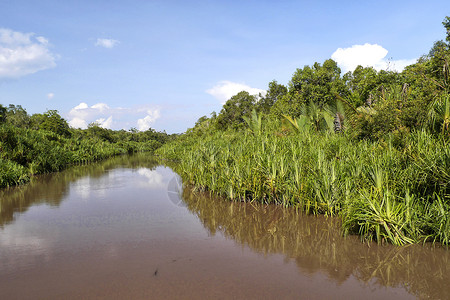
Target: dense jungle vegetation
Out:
[369,146]
[43,143]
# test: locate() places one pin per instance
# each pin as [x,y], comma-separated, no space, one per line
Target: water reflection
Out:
[175,191]
[315,243]
[51,189]
[120,212]
[153,178]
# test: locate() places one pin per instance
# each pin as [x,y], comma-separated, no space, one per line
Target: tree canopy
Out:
[235,109]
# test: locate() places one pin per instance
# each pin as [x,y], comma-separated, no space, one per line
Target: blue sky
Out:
[164,64]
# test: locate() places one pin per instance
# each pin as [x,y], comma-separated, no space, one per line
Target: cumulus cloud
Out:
[78,123]
[83,114]
[105,123]
[23,53]
[224,90]
[112,117]
[145,123]
[368,55]
[80,106]
[106,43]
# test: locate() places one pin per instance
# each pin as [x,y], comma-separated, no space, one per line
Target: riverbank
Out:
[382,191]
[27,152]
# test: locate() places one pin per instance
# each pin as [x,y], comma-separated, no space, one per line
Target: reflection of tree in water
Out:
[50,189]
[316,244]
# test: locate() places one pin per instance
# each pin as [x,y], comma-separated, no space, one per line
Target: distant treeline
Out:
[370,146]
[42,143]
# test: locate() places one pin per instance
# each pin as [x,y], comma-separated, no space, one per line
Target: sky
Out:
[164,64]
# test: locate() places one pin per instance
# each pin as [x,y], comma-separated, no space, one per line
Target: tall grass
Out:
[383,192]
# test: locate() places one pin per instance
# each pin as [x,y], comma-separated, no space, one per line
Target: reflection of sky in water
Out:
[137,209]
[82,187]
[97,187]
[153,179]
[20,237]
[24,243]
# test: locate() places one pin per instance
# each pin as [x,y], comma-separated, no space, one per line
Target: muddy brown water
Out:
[125,229]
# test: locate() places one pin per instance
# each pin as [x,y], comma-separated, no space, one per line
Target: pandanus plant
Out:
[316,118]
[254,122]
[439,113]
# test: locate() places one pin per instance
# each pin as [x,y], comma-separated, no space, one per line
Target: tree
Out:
[202,126]
[289,104]
[362,84]
[235,109]
[446,24]
[438,65]
[17,116]
[2,114]
[318,84]
[51,121]
[274,93]
[95,131]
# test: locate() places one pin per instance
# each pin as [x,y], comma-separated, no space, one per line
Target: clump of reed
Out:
[12,173]
[383,192]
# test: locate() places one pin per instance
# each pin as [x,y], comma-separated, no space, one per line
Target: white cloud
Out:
[107,43]
[42,40]
[81,115]
[147,121]
[224,90]
[105,123]
[367,55]
[82,105]
[78,123]
[22,54]
[112,117]
[50,96]
[100,106]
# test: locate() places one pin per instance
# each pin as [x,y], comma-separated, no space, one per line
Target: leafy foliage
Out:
[44,143]
[386,173]
[234,110]
[275,93]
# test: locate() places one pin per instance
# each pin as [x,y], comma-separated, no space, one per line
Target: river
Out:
[125,228]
